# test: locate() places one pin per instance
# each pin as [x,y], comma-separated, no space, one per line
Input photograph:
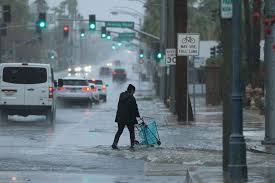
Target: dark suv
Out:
[105,71]
[119,75]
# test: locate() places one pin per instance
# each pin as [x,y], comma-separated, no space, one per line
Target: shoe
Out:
[114,147]
[132,148]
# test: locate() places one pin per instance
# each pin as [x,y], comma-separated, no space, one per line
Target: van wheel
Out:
[4,116]
[50,117]
[104,98]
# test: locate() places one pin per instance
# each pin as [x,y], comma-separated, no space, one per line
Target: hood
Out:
[125,96]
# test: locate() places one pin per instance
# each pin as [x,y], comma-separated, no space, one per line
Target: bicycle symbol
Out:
[188,39]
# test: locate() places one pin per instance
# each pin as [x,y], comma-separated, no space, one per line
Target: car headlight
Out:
[77,69]
[88,69]
[69,69]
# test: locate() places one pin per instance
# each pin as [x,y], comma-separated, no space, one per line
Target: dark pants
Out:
[131,128]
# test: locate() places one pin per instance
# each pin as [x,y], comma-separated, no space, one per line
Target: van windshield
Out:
[24,75]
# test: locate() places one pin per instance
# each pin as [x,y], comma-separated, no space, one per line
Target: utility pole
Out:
[162,47]
[269,53]
[181,67]
[237,147]
[172,44]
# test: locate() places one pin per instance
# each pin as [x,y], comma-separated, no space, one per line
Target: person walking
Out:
[127,114]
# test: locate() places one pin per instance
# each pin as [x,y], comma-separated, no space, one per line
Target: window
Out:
[120,71]
[72,82]
[97,82]
[25,75]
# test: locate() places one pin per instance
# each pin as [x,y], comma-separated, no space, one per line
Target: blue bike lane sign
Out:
[188,44]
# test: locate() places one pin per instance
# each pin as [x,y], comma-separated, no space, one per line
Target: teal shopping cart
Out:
[147,132]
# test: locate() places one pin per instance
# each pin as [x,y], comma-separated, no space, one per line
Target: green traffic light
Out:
[42,24]
[82,34]
[103,35]
[113,47]
[159,55]
[52,57]
[119,44]
[92,26]
[109,37]
[141,55]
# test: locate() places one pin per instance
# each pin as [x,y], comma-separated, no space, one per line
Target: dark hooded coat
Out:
[127,110]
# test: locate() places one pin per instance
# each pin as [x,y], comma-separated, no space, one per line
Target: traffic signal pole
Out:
[270,75]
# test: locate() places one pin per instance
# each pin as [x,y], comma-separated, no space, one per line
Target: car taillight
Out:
[93,89]
[51,89]
[124,73]
[114,72]
[104,87]
[86,89]
[61,88]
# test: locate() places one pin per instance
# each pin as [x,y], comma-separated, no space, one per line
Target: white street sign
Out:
[188,44]
[170,56]
[226,9]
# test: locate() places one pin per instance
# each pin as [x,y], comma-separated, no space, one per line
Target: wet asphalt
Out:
[76,149]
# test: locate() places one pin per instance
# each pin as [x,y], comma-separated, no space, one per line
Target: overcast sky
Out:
[102,8]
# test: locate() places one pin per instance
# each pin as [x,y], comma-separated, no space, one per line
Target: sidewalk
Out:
[198,146]
[260,161]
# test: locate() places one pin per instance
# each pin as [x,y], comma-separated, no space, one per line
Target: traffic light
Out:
[219,49]
[213,51]
[66,30]
[52,55]
[82,33]
[7,13]
[41,23]
[158,55]
[92,22]
[141,61]
[141,53]
[109,35]
[103,32]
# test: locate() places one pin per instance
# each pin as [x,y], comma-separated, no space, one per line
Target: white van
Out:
[27,89]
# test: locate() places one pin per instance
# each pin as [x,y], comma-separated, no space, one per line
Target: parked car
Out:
[27,89]
[101,89]
[119,75]
[75,89]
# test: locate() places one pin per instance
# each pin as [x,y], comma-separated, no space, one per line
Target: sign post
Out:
[170,56]
[188,45]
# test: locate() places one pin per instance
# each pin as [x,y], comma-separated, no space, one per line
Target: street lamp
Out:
[237,148]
